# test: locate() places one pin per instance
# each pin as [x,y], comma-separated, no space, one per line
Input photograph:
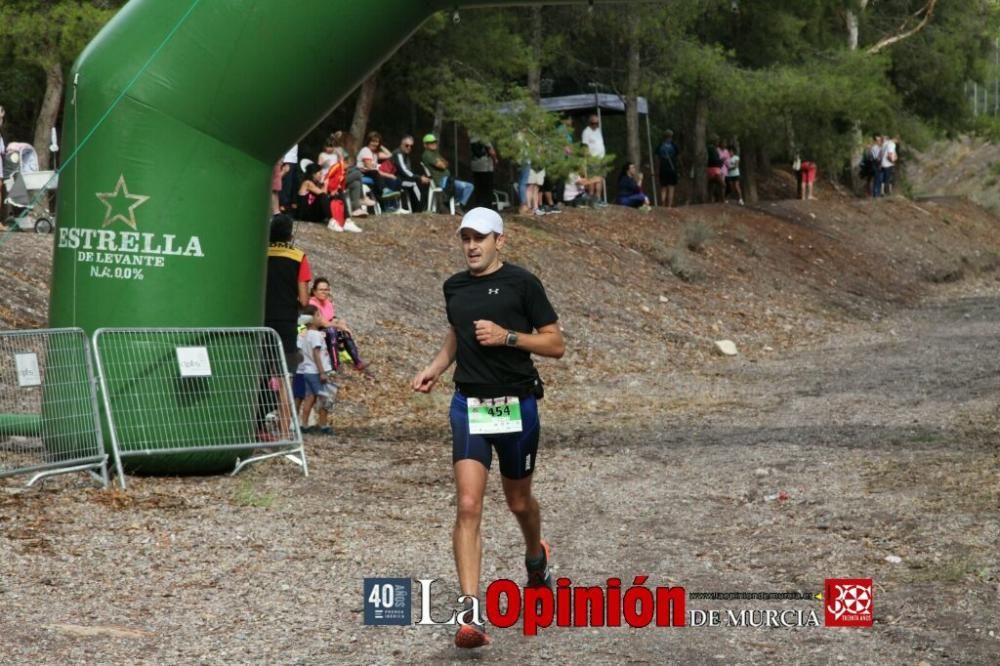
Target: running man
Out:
[499,316]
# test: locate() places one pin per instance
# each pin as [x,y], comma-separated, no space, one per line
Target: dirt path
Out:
[884,442]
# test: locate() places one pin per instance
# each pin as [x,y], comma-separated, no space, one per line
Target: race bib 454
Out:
[494,416]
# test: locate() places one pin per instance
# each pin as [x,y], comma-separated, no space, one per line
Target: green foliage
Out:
[929,70]
[776,73]
[988,127]
[518,127]
[35,35]
[22,88]
[918,133]
[42,32]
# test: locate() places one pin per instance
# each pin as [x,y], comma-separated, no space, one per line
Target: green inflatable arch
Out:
[177,113]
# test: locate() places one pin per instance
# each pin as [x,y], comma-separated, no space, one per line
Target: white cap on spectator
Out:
[483,221]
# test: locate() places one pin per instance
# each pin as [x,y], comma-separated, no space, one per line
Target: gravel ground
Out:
[878,425]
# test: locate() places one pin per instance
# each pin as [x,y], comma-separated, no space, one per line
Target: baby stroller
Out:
[24,184]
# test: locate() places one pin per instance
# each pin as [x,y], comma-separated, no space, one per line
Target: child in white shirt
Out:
[316,368]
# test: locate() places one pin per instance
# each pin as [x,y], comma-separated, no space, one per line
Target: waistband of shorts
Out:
[521,391]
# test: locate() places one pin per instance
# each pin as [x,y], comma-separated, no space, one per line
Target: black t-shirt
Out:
[281,299]
[714,159]
[510,297]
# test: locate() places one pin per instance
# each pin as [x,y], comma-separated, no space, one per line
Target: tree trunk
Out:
[363,109]
[700,194]
[763,161]
[632,91]
[851,19]
[535,66]
[49,112]
[748,171]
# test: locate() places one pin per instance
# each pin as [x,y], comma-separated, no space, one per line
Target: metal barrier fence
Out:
[49,417]
[196,400]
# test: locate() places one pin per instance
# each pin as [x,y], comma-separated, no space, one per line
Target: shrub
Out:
[696,235]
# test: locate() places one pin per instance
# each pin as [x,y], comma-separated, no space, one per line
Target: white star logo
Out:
[116,200]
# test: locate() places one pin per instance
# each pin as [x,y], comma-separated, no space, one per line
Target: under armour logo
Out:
[494,291]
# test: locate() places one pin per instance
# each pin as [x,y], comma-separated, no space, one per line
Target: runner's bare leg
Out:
[525,508]
[470,487]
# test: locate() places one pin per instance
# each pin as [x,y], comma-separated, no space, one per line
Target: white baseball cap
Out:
[483,221]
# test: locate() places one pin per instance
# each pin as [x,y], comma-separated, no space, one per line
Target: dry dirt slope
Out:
[865,390]
[967,167]
[781,274]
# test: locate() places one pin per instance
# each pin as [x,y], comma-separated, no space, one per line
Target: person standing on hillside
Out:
[733,174]
[713,172]
[878,156]
[669,168]
[868,169]
[484,159]
[889,158]
[286,291]
[593,138]
[498,316]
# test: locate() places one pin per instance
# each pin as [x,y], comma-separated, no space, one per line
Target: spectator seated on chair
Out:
[343,184]
[313,201]
[436,195]
[413,184]
[368,161]
[438,168]
[576,191]
[352,176]
[391,195]
[329,156]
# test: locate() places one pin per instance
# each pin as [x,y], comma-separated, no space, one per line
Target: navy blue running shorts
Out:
[517,451]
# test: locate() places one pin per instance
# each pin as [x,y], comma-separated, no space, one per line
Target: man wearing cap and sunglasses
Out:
[499,316]
[438,168]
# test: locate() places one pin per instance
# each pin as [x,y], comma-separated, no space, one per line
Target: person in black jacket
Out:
[414,183]
[286,292]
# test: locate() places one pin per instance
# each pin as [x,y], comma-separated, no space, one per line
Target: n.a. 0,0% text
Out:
[116,273]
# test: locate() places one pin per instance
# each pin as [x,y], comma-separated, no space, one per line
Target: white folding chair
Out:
[367,192]
[501,200]
[433,194]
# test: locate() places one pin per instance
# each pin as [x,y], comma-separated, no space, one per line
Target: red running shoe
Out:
[471,636]
[538,570]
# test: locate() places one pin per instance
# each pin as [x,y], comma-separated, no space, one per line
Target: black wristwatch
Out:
[511,340]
